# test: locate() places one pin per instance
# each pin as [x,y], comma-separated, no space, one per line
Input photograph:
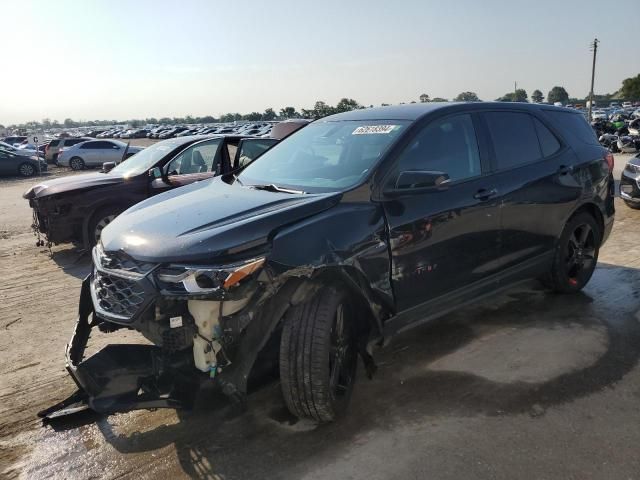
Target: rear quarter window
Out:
[54,143]
[573,126]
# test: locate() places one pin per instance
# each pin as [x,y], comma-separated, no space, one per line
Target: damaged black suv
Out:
[359,226]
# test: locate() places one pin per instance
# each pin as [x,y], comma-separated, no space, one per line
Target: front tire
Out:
[318,357]
[26,170]
[76,163]
[100,220]
[576,254]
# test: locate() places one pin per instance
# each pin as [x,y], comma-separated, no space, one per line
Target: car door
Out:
[198,162]
[445,239]
[110,152]
[7,163]
[537,190]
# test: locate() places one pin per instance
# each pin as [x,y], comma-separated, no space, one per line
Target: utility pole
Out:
[594,49]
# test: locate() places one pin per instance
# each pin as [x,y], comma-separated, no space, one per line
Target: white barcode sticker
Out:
[374,129]
[175,322]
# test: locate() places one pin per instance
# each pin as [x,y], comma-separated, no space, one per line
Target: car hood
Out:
[71,183]
[207,221]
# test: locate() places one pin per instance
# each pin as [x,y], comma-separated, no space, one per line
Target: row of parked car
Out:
[171,131]
[235,256]
[79,152]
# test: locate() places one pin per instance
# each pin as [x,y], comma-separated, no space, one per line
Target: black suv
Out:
[356,227]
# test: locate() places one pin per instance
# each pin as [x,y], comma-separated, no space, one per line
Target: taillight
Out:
[609,158]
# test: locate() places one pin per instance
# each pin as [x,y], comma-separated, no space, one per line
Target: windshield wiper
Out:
[275,188]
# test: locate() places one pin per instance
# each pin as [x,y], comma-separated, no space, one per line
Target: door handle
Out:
[564,169]
[485,194]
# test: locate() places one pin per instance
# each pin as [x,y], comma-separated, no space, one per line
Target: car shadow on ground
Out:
[72,260]
[418,383]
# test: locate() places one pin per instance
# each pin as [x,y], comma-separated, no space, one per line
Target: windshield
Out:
[144,160]
[324,156]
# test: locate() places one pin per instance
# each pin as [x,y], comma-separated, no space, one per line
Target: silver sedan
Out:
[94,153]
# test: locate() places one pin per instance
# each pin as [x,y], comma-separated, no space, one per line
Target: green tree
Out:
[424,98]
[253,116]
[537,96]
[467,97]
[439,100]
[631,88]
[269,114]
[520,95]
[289,112]
[68,123]
[558,94]
[321,109]
[346,104]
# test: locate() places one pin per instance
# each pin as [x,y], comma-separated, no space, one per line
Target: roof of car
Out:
[415,111]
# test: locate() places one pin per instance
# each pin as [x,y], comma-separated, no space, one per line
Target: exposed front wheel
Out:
[576,254]
[318,356]
[100,220]
[76,163]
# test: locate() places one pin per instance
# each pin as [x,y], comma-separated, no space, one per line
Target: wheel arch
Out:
[592,209]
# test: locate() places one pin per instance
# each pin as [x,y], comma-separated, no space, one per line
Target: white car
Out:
[599,115]
[94,153]
[627,105]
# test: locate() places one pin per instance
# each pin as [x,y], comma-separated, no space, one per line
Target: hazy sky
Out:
[94,59]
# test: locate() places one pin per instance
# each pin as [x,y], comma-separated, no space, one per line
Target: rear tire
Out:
[76,163]
[318,357]
[576,254]
[635,206]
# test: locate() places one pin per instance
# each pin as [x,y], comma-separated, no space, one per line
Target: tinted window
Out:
[73,141]
[198,158]
[573,125]
[447,145]
[548,141]
[251,149]
[514,138]
[54,143]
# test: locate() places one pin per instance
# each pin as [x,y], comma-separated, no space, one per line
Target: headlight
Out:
[198,279]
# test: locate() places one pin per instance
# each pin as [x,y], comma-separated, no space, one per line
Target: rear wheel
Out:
[26,170]
[576,254]
[318,356]
[76,163]
[100,220]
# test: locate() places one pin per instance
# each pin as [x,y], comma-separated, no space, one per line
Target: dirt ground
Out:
[526,385]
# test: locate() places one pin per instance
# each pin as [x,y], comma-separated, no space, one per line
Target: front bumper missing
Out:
[121,378]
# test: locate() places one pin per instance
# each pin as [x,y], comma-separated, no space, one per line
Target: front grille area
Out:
[124,263]
[117,296]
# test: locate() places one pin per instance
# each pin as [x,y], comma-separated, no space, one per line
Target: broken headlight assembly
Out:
[204,280]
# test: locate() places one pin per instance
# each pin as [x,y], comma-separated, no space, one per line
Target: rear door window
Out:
[514,138]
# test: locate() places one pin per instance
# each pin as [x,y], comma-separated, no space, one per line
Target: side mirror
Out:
[416,181]
[108,166]
[155,172]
